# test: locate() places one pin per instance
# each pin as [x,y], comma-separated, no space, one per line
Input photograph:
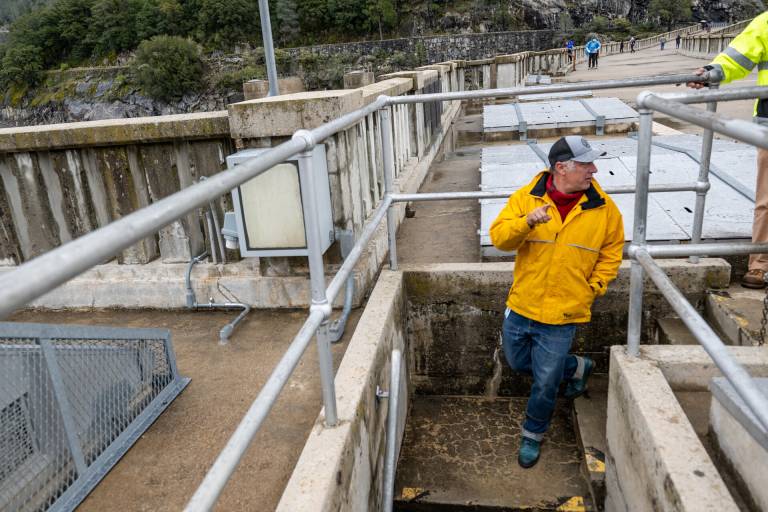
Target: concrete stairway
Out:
[735,314]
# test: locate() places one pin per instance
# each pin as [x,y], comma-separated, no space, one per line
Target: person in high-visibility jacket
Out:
[569,237]
[749,50]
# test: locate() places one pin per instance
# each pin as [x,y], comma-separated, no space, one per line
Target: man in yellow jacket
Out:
[569,237]
[749,50]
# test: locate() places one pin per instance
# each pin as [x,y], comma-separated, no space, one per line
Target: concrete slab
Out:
[670,215]
[462,451]
[655,459]
[741,440]
[561,114]
[672,331]
[738,313]
[290,112]
[589,418]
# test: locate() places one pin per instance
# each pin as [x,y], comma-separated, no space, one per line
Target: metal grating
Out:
[73,399]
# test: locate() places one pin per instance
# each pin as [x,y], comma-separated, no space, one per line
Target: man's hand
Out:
[697,85]
[538,216]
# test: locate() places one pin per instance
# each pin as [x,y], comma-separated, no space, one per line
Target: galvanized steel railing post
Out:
[713,345]
[701,195]
[389,183]
[642,174]
[390,455]
[317,280]
[269,49]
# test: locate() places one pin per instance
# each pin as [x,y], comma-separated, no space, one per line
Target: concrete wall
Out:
[745,457]
[342,468]
[59,182]
[455,313]
[655,461]
[442,48]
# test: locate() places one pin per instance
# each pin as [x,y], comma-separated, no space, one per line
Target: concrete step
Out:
[589,419]
[460,454]
[737,313]
[672,331]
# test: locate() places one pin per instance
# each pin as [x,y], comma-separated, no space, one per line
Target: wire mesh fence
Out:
[72,401]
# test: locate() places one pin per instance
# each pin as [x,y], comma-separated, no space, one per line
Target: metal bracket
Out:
[522,126]
[346,238]
[539,152]
[599,118]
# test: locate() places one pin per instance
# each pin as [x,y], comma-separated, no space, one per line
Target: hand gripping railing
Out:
[43,274]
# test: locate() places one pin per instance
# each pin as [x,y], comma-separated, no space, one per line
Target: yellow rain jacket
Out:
[561,266]
[747,50]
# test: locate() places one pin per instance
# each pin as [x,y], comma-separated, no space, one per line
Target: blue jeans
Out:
[540,350]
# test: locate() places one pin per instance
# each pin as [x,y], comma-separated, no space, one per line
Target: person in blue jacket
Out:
[593,51]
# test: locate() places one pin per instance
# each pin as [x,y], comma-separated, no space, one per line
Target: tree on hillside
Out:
[167,67]
[381,14]
[287,21]
[113,25]
[157,17]
[21,65]
[314,16]
[226,22]
[669,12]
[348,16]
[72,18]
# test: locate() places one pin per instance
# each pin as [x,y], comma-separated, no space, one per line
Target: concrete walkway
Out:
[164,467]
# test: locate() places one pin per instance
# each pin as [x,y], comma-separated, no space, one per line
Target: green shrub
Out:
[21,65]
[168,67]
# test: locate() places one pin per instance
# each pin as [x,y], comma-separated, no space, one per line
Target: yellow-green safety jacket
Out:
[747,50]
[561,266]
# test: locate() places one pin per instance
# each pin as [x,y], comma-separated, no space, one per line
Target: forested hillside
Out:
[12,9]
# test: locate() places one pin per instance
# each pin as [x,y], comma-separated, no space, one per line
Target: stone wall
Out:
[443,48]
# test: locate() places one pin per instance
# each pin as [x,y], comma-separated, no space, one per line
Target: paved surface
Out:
[163,469]
[462,451]
[652,62]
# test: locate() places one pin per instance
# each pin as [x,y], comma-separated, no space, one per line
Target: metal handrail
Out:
[42,274]
[713,345]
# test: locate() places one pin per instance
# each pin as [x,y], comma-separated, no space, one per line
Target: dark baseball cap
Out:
[573,147]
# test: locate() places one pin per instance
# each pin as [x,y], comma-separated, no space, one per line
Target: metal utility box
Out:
[268,208]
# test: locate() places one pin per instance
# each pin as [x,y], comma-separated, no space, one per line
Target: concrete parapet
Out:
[355,79]
[254,89]
[455,362]
[390,87]
[283,115]
[420,78]
[655,460]
[342,468]
[114,132]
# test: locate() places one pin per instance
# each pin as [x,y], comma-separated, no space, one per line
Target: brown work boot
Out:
[755,278]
